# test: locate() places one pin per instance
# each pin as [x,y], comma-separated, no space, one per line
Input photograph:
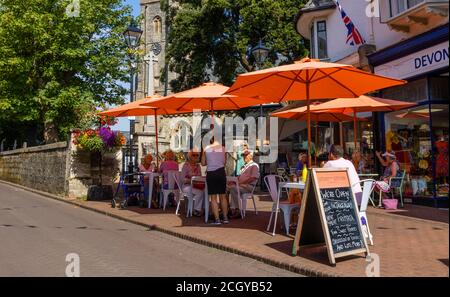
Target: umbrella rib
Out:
[339,83]
[234,103]
[252,83]
[184,104]
[292,82]
[326,75]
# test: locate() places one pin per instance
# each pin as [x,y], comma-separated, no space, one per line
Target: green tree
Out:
[57,67]
[213,38]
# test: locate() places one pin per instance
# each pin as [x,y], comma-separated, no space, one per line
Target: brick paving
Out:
[410,242]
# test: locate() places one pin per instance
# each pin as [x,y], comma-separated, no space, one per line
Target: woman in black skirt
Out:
[214,158]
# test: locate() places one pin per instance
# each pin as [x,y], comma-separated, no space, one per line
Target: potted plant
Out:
[98,142]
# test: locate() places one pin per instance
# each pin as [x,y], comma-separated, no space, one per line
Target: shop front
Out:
[419,135]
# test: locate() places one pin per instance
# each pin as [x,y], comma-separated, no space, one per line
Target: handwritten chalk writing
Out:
[342,221]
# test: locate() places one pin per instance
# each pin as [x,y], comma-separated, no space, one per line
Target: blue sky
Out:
[135,5]
[124,123]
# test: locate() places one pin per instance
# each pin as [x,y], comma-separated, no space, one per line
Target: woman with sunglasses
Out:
[192,168]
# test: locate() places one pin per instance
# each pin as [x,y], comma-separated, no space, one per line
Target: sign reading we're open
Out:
[329,215]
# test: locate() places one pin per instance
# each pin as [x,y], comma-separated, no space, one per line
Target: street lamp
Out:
[260,53]
[132,36]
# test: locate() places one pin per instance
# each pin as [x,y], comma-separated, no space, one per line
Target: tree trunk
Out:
[50,133]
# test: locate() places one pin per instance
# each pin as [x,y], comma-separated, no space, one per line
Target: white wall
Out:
[370,28]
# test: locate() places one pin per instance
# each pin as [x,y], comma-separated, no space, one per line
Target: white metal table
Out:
[151,179]
[203,179]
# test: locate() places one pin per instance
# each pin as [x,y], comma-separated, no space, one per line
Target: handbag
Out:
[198,185]
[390,204]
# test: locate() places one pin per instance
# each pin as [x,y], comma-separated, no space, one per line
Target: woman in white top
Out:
[214,158]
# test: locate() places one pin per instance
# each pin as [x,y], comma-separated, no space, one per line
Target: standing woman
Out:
[214,158]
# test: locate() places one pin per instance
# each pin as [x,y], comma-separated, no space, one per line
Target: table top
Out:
[368,174]
[293,185]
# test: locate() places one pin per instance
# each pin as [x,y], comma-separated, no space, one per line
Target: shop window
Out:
[408,134]
[439,117]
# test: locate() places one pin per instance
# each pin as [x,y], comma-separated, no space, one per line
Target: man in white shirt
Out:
[248,177]
[336,160]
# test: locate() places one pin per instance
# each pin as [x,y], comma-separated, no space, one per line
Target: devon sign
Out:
[421,62]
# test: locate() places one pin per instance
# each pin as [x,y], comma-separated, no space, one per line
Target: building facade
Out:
[406,39]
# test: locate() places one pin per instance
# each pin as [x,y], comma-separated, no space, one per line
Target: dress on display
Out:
[442,158]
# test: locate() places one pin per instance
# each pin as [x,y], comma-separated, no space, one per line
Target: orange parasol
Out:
[136,108]
[208,96]
[413,115]
[300,114]
[362,104]
[308,80]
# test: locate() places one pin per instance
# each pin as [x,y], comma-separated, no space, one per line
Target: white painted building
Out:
[405,39]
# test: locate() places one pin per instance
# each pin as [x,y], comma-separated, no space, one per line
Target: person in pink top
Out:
[169,164]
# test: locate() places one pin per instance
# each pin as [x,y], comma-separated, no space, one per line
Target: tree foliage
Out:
[58,67]
[213,38]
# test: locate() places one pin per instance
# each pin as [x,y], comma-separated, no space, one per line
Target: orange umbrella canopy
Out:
[208,96]
[300,114]
[363,104]
[136,108]
[412,115]
[309,79]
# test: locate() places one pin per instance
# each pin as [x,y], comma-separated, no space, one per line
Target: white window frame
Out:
[406,5]
[315,41]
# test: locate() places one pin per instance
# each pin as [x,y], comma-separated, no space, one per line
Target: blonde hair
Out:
[169,155]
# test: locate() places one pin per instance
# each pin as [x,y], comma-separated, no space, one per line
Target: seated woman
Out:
[147,165]
[169,164]
[391,169]
[192,168]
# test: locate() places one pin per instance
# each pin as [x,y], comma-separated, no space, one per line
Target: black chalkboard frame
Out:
[316,204]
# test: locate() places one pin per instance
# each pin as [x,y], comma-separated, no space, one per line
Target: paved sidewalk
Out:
[407,242]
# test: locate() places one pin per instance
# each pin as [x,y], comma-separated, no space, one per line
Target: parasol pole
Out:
[156,135]
[316,144]
[309,119]
[354,127]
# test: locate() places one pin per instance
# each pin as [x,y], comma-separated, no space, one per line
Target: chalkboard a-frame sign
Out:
[329,214]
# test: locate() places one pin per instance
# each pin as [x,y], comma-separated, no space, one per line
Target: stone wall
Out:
[59,168]
[43,167]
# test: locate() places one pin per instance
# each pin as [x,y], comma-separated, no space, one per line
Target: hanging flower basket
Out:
[98,142]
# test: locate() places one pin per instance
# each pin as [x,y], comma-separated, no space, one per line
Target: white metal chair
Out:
[173,176]
[368,185]
[186,195]
[244,197]
[395,183]
[272,183]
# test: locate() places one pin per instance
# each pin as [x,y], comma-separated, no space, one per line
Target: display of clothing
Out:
[442,158]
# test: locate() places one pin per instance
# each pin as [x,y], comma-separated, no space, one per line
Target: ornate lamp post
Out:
[132,36]
[260,53]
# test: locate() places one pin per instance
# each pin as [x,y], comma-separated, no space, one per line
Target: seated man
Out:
[336,160]
[247,179]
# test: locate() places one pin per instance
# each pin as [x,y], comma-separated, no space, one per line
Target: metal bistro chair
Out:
[368,186]
[132,184]
[182,194]
[173,176]
[244,197]
[272,183]
[395,184]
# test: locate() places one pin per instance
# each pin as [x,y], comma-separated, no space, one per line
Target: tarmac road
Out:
[37,233]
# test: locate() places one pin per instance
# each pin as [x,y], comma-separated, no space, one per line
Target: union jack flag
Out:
[353,36]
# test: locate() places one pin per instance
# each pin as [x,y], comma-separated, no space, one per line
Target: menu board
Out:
[329,215]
